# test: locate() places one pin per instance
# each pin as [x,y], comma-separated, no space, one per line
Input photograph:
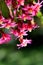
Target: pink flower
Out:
[29,10]
[20,2]
[32,25]
[10,24]
[24,17]
[20,22]
[29,26]
[8,2]
[18,34]
[24,42]
[5,38]
[2,25]
[37,5]
[7,23]
[33,9]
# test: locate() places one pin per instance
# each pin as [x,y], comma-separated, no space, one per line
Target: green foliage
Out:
[4,9]
[39,14]
[26,56]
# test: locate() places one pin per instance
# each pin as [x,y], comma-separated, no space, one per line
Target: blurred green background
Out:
[32,54]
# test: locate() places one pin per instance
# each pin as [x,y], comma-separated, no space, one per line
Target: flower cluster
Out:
[20,21]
